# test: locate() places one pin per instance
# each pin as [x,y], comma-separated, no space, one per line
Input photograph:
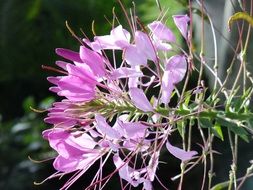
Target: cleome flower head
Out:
[105,101]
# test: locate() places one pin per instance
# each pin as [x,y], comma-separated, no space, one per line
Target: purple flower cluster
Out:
[105,101]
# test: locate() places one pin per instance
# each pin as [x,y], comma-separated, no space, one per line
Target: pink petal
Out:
[177,67]
[144,44]
[61,121]
[181,22]
[54,80]
[147,185]
[125,72]
[62,64]
[180,153]
[106,129]
[76,163]
[121,36]
[65,165]
[140,100]
[131,130]
[81,141]
[118,39]
[82,71]
[54,89]
[167,87]
[161,32]
[133,82]
[134,56]
[57,140]
[141,51]
[68,54]
[94,60]
[75,84]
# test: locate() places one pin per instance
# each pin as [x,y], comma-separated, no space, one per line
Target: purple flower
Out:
[179,153]
[162,35]
[94,60]
[181,22]
[76,150]
[140,100]
[79,85]
[119,38]
[175,70]
[101,115]
[59,117]
[141,51]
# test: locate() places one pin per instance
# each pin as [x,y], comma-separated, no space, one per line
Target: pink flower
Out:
[140,100]
[162,35]
[179,153]
[76,151]
[119,38]
[175,70]
[181,22]
[59,117]
[134,54]
[141,51]
[94,60]
[79,85]
[104,105]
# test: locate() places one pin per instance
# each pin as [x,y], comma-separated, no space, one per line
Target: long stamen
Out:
[49,68]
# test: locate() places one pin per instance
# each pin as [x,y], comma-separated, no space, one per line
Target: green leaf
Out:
[241,132]
[220,186]
[181,127]
[187,97]
[217,131]
[205,123]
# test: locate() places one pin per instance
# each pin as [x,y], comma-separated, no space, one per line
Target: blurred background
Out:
[29,33]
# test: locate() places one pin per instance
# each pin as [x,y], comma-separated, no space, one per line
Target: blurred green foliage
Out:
[19,139]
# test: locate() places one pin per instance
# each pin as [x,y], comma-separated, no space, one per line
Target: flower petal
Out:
[76,163]
[125,72]
[106,129]
[180,153]
[167,87]
[177,67]
[134,56]
[181,22]
[93,60]
[144,45]
[161,32]
[140,100]
[118,39]
[68,54]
